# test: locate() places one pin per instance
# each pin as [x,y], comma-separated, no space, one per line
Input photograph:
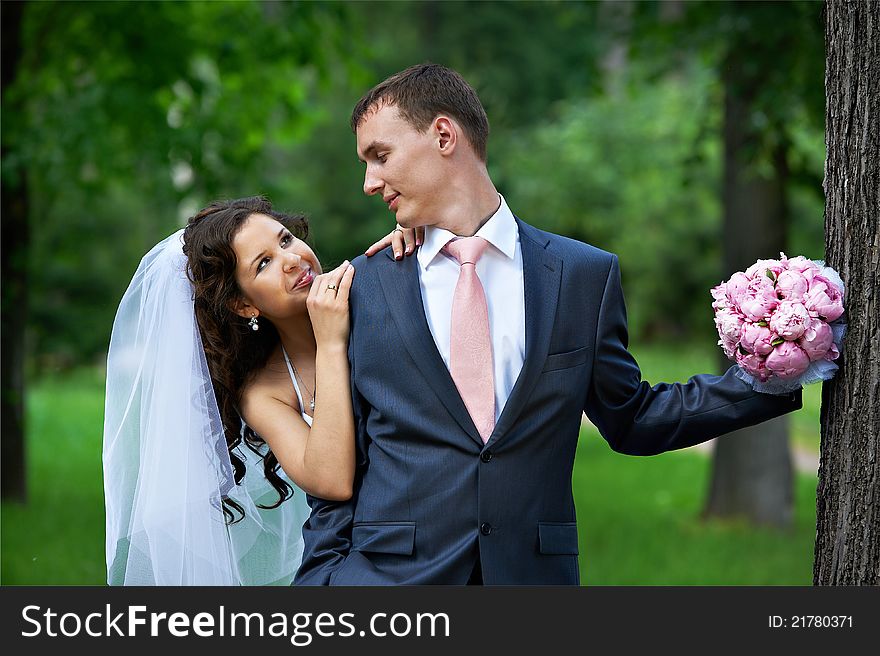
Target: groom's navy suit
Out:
[430,497]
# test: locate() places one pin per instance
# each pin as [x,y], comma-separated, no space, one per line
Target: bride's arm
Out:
[319,459]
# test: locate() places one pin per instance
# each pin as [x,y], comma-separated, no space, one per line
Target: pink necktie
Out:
[470,353]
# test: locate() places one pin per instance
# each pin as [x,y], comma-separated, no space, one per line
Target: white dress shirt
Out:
[500,271]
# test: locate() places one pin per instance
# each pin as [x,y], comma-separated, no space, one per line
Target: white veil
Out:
[166,463]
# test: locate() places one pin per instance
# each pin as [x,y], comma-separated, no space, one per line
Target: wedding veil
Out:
[166,462]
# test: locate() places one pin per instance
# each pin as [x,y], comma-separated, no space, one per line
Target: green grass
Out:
[639,523]
[638,517]
[57,538]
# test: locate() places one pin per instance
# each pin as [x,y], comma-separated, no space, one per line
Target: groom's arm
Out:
[327,538]
[638,419]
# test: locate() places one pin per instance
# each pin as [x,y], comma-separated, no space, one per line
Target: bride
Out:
[228,398]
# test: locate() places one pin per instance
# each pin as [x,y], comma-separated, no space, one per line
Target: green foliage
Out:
[522,59]
[500,48]
[616,171]
[128,117]
[771,54]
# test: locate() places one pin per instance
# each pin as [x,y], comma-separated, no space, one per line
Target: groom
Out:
[472,364]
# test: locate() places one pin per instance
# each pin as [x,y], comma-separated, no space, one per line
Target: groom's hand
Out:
[402,240]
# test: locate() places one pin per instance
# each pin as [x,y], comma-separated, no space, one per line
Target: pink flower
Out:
[790,320]
[817,340]
[761,267]
[729,347]
[736,287]
[756,339]
[728,324]
[787,360]
[759,300]
[753,364]
[719,293]
[791,285]
[800,264]
[824,299]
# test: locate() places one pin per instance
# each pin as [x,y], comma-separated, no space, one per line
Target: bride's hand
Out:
[328,305]
[403,240]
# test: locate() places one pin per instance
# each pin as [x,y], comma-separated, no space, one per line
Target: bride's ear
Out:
[243,309]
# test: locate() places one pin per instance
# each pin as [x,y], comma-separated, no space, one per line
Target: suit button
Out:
[485,528]
[486,456]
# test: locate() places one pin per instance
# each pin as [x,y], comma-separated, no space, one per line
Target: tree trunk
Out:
[751,468]
[848,515]
[14,208]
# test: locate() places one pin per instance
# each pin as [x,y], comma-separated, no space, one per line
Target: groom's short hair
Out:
[423,91]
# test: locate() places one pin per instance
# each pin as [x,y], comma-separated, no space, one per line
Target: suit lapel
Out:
[400,284]
[542,273]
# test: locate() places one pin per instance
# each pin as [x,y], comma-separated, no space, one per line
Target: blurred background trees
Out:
[768,58]
[123,118]
[671,133]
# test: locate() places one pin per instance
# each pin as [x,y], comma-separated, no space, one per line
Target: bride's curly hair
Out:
[233,351]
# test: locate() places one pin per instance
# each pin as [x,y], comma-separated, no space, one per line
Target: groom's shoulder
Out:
[362,261]
[371,265]
[366,283]
[564,247]
[368,271]
[366,268]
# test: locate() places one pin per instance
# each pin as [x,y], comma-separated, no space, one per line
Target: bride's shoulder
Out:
[271,383]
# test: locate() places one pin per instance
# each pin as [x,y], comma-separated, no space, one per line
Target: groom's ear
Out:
[447,134]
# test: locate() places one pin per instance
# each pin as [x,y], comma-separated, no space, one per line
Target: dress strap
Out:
[302,407]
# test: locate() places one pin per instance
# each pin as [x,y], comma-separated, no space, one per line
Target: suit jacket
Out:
[430,498]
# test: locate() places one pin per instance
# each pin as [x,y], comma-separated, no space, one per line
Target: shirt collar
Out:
[500,231]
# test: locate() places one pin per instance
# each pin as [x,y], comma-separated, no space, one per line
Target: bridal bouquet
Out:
[780,321]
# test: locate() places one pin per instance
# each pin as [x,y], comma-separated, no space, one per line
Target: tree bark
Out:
[14,208]
[751,469]
[848,517]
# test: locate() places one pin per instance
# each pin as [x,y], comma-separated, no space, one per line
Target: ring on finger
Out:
[332,286]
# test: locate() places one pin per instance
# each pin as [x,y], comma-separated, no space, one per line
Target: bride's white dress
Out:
[166,463]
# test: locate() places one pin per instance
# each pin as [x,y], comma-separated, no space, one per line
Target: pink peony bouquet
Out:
[781,322]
